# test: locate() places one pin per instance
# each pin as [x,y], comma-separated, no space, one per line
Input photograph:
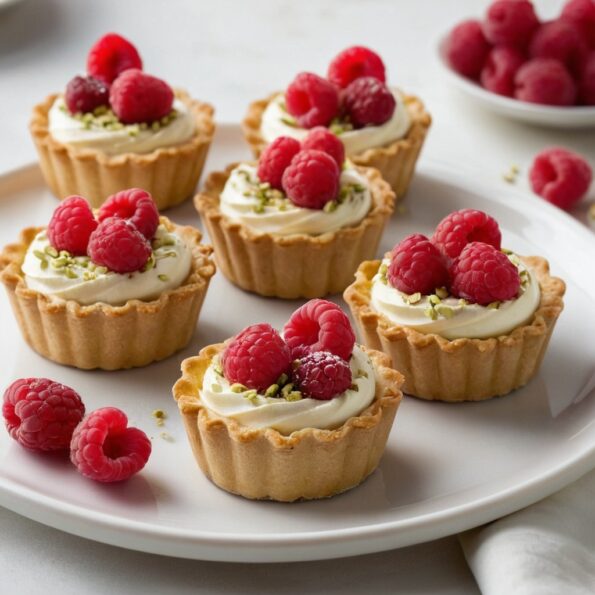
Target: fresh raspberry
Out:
[353,63]
[275,159]
[499,70]
[134,205]
[582,14]
[103,448]
[84,94]
[510,22]
[417,265]
[312,100]
[319,325]
[119,246]
[111,55]
[482,274]
[586,82]
[546,81]
[312,179]
[71,226]
[368,101]
[322,139]
[560,176]
[256,357]
[139,97]
[459,228]
[467,48]
[322,375]
[41,414]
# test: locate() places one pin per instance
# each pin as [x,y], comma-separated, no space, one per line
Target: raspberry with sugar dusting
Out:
[134,205]
[275,159]
[322,375]
[111,55]
[353,63]
[84,94]
[510,22]
[71,226]
[368,102]
[312,100]
[467,48]
[322,139]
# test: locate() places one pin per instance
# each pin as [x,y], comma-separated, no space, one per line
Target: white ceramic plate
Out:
[532,113]
[446,467]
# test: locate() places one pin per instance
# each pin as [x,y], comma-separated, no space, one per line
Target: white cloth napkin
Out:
[545,549]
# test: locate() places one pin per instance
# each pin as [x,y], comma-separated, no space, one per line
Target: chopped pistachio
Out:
[70,273]
[445,311]
[463,302]
[434,299]
[295,364]
[354,387]
[514,259]
[39,254]
[218,370]
[414,298]
[287,389]
[272,390]
[294,395]
[431,313]
[282,380]
[258,209]
[159,414]
[330,206]
[289,122]
[50,251]
[236,387]
[362,374]
[163,277]
[493,305]
[216,388]
[442,292]
[155,126]
[251,395]
[89,276]
[101,270]
[44,265]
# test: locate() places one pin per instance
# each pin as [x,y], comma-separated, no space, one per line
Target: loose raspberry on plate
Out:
[416,265]
[545,81]
[482,274]
[467,48]
[459,228]
[275,159]
[312,179]
[353,63]
[103,448]
[368,102]
[586,82]
[510,22]
[499,70]
[582,14]
[134,205]
[139,97]
[119,246]
[71,226]
[111,55]
[322,139]
[256,357]
[319,325]
[312,100]
[41,414]
[84,94]
[322,375]
[560,176]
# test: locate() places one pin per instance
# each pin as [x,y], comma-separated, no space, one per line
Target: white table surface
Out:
[229,53]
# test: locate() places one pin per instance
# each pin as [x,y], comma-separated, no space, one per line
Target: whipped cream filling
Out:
[277,122]
[77,133]
[454,318]
[289,416]
[82,281]
[267,210]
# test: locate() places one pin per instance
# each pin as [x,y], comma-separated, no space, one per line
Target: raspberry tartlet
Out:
[302,415]
[117,288]
[119,127]
[461,318]
[379,126]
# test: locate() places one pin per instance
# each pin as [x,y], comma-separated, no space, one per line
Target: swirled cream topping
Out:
[452,318]
[276,121]
[286,416]
[103,132]
[246,200]
[61,275]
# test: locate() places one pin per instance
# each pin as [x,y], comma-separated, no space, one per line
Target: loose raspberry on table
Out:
[322,375]
[353,63]
[586,82]
[134,205]
[545,81]
[275,159]
[467,48]
[510,22]
[582,14]
[103,448]
[312,100]
[322,139]
[500,68]
[368,101]
[482,274]
[111,55]
[560,176]
[459,228]
[319,325]
[139,97]
[41,414]
[416,265]
[256,357]
[71,226]
[84,94]
[119,246]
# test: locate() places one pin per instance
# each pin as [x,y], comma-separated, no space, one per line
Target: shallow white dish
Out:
[446,468]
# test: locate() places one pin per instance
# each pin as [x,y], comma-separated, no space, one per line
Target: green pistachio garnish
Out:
[431,313]
[463,302]
[362,374]
[442,292]
[216,388]
[330,206]
[289,122]
[493,305]
[445,311]
[50,251]
[414,298]
[294,395]
[354,387]
[434,299]
[163,278]
[286,389]
[272,391]
[282,380]
[236,387]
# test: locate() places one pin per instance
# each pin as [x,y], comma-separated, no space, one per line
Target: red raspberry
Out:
[41,414]
[499,70]
[467,48]
[322,375]
[460,228]
[510,22]
[586,83]
[119,246]
[134,205]
[546,81]
[256,357]
[322,139]
[312,179]
[353,63]
[560,176]
[139,97]
[319,325]
[312,100]
[84,94]
[71,226]
[111,55]
[275,159]
[368,101]
[103,448]
[481,274]
[582,14]
[417,265]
